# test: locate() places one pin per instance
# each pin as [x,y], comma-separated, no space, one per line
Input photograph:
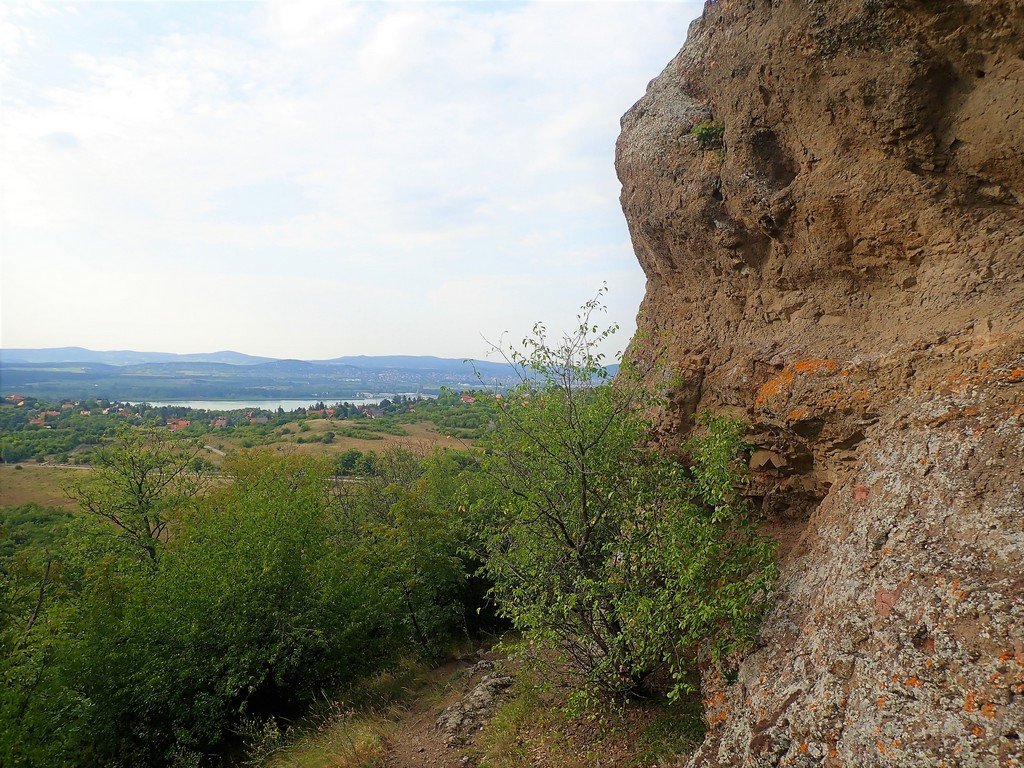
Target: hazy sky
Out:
[316,179]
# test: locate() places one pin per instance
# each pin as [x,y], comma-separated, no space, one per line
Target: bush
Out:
[619,558]
[275,590]
[709,134]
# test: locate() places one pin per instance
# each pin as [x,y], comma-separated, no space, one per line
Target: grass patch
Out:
[536,726]
[42,485]
[348,740]
[363,435]
[673,730]
[709,134]
[354,731]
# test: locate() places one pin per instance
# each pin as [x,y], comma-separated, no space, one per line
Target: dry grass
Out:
[356,735]
[347,741]
[419,437]
[35,483]
[533,727]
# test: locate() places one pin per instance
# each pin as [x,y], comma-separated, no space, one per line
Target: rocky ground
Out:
[437,734]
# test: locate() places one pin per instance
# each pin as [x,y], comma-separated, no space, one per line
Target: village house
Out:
[175,424]
[468,399]
[219,423]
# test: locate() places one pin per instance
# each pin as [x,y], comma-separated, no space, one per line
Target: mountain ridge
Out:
[75,372]
[124,357]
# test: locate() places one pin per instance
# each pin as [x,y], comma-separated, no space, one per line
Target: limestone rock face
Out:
[847,274]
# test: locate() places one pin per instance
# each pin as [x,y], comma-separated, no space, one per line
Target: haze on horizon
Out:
[311,179]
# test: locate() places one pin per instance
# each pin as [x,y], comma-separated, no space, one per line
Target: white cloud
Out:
[422,145]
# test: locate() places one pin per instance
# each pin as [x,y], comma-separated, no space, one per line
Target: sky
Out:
[316,179]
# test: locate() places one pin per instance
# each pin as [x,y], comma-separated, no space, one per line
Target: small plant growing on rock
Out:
[709,134]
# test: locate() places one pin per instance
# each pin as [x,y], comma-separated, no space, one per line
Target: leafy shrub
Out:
[274,590]
[621,559]
[709,134]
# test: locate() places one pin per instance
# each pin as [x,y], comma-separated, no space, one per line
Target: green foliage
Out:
[275,588]
[456,417]
[169,616]
[709,134]
[623,560]
[141,480]
[29,527]
[21,440]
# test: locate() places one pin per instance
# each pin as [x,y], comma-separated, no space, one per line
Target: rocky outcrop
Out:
[846,271]
[459,722]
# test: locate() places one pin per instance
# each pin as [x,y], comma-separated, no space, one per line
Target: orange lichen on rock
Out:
[887,749]
[816,366]
[913,682]
[799,414]
[714,706]
[774,387]
[960,381]
[971,701]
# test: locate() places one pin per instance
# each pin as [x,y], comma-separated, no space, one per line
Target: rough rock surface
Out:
[463,718]
[847,273]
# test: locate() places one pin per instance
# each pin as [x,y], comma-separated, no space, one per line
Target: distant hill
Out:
[122,357]
[229,357]
[75,372]
[424,363]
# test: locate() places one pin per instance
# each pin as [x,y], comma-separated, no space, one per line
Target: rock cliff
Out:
[846,271]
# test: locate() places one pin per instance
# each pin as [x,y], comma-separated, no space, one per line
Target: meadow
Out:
[25,483]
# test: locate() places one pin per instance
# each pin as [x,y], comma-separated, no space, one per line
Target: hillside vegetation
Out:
[177,621]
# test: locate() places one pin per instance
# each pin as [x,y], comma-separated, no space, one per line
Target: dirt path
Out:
[417,742]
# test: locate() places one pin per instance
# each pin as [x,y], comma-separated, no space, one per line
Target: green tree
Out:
[619,557]
[140,482]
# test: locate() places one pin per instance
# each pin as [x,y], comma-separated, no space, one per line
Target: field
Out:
[42,483]
[419,437]
[22,483]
